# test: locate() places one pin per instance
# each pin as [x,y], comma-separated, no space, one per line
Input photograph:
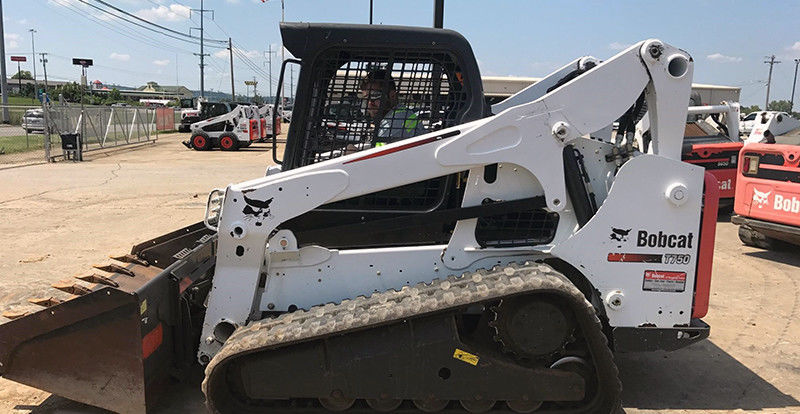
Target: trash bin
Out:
[71,145]
[70,142]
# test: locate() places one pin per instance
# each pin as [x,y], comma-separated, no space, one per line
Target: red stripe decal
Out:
[705,256]
[152,341]
[395,149]
[634,258]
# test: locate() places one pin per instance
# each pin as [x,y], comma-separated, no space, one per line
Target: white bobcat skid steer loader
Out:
[490,264]
[268,127]
[238,128]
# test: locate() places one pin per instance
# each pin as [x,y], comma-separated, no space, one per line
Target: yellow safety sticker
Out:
[143,307]
[466,357]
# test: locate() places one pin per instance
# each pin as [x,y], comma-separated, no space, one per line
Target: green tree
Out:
[114,96]
[751,108]
[782,106]
[23,74]
[71,92]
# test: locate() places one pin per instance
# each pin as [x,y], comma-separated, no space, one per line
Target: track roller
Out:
[477,406]
[522,406]
[337,402]
[383,405]
[431,405]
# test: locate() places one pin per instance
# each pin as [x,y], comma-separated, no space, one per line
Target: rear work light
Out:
[750,164]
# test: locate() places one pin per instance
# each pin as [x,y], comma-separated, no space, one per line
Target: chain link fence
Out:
[98,127]
[33,134]
[22,138]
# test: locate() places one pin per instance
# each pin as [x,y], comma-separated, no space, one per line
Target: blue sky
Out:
[728,40]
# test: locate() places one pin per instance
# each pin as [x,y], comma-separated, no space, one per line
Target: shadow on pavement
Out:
[700,377]
[786,255]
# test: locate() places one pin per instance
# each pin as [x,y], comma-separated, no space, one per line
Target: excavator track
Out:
[238,377]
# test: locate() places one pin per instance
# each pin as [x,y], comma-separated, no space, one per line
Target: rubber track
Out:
[411,302]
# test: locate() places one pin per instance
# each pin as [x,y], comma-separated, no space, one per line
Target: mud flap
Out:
[88,348]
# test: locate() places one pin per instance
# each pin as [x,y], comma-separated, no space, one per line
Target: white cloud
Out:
[795,46]
[119,57]
[171,13]
[232,1]
[164,62]
[618,46]
[22,21]
[719,57]
[12,41]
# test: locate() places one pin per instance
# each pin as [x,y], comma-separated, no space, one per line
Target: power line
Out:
[133,34]
[154,24]
[143,26]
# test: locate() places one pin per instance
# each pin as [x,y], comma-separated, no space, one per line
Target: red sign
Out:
[19,59]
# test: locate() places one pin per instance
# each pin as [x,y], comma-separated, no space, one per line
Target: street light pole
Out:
[3,74]
[33,49]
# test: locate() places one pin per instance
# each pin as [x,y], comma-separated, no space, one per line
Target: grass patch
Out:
[23,100]
[21,143]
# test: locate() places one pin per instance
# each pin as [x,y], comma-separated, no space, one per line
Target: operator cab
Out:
[436,83]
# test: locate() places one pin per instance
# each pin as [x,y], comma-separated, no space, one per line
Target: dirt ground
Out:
[58,219]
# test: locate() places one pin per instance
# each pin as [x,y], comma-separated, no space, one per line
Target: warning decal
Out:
[664,281]
[466,357]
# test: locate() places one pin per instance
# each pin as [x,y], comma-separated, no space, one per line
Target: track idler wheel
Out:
[477,406]
[521,406]
[431,405]
[337,402]
[383,405]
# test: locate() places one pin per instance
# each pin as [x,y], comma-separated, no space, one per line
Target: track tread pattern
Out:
[411,301]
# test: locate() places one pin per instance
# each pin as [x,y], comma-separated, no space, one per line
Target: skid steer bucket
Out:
[115,343]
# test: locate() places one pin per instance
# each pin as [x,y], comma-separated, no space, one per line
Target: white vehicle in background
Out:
[766,125]
[33,121]
[287,113]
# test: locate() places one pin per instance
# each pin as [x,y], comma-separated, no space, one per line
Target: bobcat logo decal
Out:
[761,197]
[619,235]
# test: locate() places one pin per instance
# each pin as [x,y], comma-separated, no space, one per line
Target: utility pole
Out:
[3,74]
[233,89]
[202,53]
[794,83]
[255,84]
[33,54]
[44,66]
[771,62]
[370,11]
[269,53]
[280,100]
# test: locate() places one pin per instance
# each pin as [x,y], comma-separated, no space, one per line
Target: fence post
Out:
[46,121]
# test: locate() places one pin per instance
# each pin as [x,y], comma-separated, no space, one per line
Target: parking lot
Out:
[62,218]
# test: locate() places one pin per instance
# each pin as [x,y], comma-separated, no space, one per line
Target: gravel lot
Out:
[61,218]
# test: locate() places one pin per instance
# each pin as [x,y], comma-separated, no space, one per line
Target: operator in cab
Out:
[394,121]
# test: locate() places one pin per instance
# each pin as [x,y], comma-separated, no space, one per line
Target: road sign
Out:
[82,62]
[19,59]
